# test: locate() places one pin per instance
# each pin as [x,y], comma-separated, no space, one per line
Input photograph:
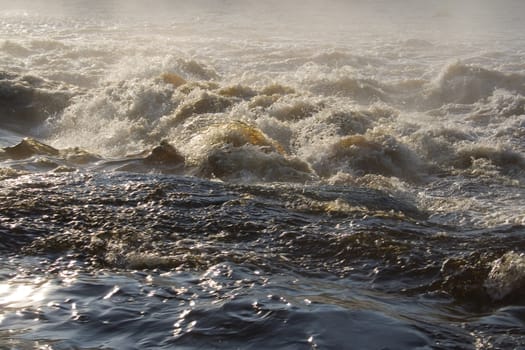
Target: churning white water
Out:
[388,134]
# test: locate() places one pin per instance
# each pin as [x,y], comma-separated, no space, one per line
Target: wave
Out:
[459,83]
[363,91]
[502,104]
[456,84]
[506,278]
[115,219]
[197,102]
[373,153]
[27,101]
[229,130]
[510,162]
[15,49]
[294,110]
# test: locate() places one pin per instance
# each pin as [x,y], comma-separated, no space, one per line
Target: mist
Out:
[303,19]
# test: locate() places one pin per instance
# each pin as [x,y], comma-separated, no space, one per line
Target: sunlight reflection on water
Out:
[23,295]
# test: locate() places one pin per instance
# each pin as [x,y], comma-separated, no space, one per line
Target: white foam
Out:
[507,276]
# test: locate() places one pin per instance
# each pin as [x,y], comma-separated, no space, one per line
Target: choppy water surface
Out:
[227,175]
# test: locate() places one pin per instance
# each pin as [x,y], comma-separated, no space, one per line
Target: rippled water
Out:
[252,175]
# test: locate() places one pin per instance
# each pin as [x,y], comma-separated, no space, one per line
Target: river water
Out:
[262,175]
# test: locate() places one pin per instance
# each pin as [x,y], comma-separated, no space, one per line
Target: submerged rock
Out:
[164,158]
[29,147]
[164,154]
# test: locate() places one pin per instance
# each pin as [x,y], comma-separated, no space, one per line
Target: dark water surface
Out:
[132,261]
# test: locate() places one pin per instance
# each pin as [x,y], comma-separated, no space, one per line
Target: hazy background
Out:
[430,17]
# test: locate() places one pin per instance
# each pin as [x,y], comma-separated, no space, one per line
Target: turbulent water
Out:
[262,175]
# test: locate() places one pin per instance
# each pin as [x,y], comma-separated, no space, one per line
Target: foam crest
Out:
[506,278]
[114,120]
[196,102]
[466,84]
[505,159]
[294,110]
[375,152]
[360,90]
[500,105]
[236,150]
[251,164]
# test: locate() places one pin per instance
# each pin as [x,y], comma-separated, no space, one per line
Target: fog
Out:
[308,16]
